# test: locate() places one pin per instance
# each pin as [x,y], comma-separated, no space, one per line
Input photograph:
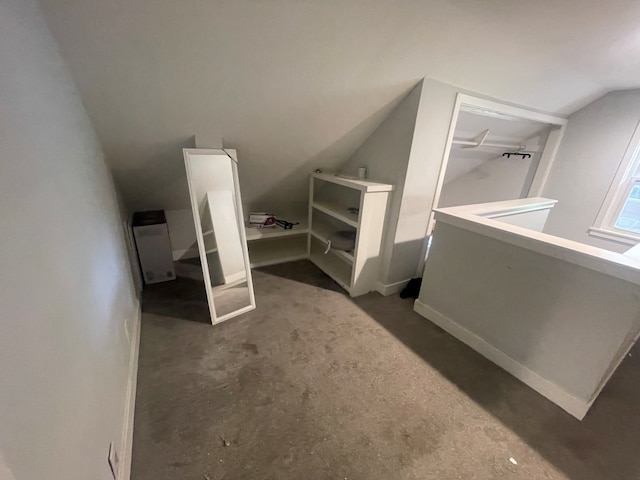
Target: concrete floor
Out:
[315,385]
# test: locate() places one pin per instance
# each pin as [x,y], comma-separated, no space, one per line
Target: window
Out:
[619,217]
[629,216]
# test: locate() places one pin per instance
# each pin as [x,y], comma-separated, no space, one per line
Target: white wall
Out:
[437,101]
[68,303]
[594,143]
[386,154]
[406,150]
[493,180]
[298,85]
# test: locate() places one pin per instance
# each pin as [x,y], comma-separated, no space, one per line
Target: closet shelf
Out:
[338,212]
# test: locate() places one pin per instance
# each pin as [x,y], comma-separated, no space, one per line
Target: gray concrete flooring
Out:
[315,385]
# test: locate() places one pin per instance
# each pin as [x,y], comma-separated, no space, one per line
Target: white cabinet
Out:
[350,205]
[153,246]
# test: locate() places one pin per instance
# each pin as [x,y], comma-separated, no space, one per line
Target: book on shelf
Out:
[262,220]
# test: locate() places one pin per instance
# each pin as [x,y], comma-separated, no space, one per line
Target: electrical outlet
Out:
[114,461]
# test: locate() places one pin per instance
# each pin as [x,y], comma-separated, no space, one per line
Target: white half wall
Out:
[556,314]
[592,148]
[69,308]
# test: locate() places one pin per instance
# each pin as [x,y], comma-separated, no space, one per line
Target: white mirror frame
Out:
[231,154]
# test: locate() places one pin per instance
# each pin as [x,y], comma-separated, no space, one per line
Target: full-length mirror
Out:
[217,212]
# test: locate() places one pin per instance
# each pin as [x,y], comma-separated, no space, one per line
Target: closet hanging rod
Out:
[474,144]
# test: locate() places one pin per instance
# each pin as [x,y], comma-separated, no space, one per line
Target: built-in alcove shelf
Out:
[270,246]
[275,232]
[274,250]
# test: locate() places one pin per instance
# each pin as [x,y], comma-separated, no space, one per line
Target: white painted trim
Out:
[195,209]
[126,444]
[444,162]
[571,404]
[391,288]
[470,217]
[614,236]
[511,110]
[234,314]
[551,147]
[611,203]
[504,208]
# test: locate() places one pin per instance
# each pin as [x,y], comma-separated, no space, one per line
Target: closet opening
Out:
[495,152]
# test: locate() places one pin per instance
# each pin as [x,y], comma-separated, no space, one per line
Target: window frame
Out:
[627,175]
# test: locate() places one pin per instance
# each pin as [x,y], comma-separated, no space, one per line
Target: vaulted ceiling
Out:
[298,83]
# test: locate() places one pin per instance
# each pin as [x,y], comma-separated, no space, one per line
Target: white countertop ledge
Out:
[483,219]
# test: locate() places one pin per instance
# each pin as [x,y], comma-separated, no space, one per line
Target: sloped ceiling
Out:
[299,83]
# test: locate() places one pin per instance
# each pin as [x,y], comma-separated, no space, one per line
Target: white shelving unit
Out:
[330,200]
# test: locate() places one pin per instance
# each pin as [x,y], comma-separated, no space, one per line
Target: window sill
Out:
[614,236]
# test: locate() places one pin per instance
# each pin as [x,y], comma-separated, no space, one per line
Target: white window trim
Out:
[603,226]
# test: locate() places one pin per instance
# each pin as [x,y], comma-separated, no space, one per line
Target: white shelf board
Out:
[334,267]
[277,250]
[337,211]
[264,233]
[362,185]
[323,237]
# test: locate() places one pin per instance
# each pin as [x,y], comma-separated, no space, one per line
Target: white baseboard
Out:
[392,288]
[573,405]
[126,443]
